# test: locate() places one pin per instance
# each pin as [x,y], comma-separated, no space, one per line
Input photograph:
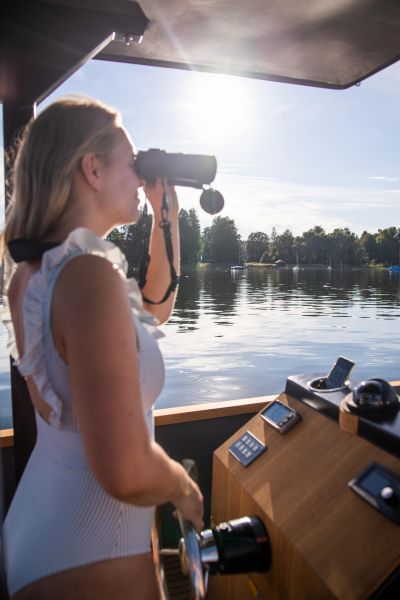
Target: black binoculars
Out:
[190,170]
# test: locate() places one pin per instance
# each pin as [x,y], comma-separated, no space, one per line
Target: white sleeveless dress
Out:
[60,516]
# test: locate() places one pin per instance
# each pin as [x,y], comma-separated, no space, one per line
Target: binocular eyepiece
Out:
[190,170]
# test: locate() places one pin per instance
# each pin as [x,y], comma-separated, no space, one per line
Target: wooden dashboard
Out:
[326,541]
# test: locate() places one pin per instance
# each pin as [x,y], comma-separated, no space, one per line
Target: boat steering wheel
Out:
[190,559]
[219,549]
[189,547]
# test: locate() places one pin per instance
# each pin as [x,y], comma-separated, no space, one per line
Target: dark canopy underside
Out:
[329,43]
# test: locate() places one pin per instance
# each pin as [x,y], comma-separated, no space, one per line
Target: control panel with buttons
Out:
[247,448]
[380,487]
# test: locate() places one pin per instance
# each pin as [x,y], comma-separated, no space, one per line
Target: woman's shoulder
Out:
[89,279]
[99,268]
[85,270]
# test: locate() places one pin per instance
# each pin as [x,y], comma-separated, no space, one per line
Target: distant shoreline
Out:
[313,266]
[256,265]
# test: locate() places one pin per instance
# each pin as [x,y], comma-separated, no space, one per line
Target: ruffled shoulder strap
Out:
[37,305]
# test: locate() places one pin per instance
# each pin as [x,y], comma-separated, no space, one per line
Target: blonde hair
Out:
[48,156]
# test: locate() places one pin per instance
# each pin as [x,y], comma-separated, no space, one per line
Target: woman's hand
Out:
[191,504]
[154,194]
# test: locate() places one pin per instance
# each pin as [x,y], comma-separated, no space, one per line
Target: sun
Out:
[217,107]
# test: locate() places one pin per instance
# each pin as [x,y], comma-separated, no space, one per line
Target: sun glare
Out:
[218,107]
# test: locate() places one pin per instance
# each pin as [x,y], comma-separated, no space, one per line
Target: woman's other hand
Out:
[154,193]
[190,504]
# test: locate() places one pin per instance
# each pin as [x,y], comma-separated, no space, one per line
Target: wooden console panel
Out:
[326,541]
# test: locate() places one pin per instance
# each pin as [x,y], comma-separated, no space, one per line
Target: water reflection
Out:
[221,288]
[321,290]
[187,307]
[246,331]
[212,290]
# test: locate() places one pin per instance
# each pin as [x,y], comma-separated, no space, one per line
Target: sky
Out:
[289,156]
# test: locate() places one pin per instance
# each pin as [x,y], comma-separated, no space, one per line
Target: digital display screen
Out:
[338,377]
[339,373]
[374,482]
[369,485]
[276,412]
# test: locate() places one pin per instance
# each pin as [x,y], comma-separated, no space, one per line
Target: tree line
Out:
[222,243]
[341,247]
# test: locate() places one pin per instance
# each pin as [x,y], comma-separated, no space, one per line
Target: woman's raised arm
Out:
[158,274]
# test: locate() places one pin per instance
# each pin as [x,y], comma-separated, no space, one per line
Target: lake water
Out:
[240,334]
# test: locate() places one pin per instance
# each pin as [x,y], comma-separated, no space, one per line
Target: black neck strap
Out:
[25,249]
[166,227]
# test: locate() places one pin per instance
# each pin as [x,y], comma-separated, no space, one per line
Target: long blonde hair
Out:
[47,157]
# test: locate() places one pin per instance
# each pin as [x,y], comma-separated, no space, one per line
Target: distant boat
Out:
[238,268]
[329,267]
[280,264]
[394,269]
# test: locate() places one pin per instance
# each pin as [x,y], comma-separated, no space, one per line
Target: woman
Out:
[80,522]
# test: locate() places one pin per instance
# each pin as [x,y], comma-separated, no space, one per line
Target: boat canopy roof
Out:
[326,43]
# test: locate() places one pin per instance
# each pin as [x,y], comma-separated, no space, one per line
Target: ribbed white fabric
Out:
[60,516]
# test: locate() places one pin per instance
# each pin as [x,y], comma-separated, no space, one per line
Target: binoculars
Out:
[190,170]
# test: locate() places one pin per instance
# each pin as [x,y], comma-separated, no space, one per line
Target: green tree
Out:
[196,233]
[189,230]
[346,248]
[223,241]
[133,241]
[205,251]
[388,245]
[257,243]
[368,242]
[315,245]
[299,248]
[242,251]
[284,247]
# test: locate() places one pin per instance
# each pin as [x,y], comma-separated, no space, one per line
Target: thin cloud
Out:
[383,178]
[251,177]
[280,110]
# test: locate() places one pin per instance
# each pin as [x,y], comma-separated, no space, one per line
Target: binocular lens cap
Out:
[211,201]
